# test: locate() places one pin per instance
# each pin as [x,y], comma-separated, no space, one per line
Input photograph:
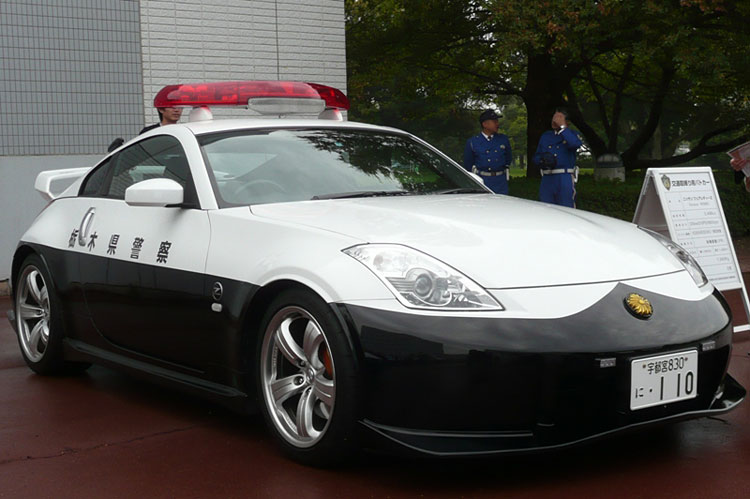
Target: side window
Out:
[157,157]
[93,184]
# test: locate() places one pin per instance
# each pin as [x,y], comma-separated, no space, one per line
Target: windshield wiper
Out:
[360,194]
[461,190]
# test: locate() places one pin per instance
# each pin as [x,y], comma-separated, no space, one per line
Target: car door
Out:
[142,267]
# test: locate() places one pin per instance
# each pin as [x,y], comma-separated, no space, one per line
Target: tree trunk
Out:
[698,150]
[543,92]
[646,131]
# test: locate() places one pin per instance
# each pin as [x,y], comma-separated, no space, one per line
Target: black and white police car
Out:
[361,289]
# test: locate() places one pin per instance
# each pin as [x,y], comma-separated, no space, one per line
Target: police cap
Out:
[488,114]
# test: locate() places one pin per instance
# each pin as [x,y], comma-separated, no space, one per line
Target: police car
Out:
[360,289]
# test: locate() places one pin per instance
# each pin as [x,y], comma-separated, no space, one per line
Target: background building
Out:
[75,74]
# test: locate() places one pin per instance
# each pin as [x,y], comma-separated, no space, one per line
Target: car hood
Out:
[499,241]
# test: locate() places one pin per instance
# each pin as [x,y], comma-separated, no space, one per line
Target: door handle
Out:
[83,229]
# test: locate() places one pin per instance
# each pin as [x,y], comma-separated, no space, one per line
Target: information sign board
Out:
[683,204]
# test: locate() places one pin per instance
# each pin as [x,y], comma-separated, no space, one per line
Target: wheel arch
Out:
[253,317]
[53,361]
[22,252]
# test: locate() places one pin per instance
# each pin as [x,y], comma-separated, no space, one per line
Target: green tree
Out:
[683,83]
[627,70]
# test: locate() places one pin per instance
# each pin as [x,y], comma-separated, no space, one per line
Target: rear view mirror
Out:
[155,192]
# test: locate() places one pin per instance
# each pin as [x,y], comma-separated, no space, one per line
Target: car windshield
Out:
[272,166]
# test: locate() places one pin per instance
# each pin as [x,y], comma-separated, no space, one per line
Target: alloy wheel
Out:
[298,376]
[33,313]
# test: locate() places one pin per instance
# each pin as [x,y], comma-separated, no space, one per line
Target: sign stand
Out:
[683,204]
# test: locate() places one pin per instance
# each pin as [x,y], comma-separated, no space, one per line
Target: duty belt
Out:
[486,173]
[558,170]
[573,171]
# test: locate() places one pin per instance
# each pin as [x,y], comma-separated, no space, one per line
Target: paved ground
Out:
[104,434]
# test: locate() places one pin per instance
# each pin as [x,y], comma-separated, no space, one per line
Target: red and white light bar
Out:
[247,93]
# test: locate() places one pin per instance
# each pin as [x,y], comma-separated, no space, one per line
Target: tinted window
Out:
[93,184]
[293,165]
[157,157]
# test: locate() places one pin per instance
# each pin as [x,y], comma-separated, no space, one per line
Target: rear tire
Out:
[307,380]
[39,321]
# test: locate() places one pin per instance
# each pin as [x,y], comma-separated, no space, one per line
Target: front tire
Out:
[39,320]
[307,378]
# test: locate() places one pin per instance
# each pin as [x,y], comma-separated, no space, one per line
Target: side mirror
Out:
[155,192]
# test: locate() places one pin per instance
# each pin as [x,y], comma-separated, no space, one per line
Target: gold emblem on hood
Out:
[639,306]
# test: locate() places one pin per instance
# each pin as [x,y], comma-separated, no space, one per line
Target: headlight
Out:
[420,281]
[683,256]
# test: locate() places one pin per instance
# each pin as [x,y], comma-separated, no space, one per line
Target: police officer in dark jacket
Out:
[556,157]
[167,116]
[488,154]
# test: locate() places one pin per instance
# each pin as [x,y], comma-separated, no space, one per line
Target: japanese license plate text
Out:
[663,379]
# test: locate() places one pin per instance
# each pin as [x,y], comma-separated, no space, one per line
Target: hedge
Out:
[619,199]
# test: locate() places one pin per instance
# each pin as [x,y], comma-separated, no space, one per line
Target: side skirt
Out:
[226,395]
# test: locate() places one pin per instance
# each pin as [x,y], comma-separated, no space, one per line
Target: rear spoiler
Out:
[45,179]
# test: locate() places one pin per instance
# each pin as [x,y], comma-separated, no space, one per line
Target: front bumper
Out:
[441,443]
[458,386]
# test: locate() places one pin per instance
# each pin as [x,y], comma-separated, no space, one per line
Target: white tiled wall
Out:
[70,75]
[74,74]
[186,41]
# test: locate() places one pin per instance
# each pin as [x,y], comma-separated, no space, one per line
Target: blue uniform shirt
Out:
[487,155]
[558,188]
[561,145]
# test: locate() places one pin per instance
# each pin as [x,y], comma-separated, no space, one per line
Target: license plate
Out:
[663,379]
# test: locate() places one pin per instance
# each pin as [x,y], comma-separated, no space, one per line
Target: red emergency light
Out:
[238,93]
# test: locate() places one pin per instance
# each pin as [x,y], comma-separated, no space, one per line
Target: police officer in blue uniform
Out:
[556,158]
[488,154]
